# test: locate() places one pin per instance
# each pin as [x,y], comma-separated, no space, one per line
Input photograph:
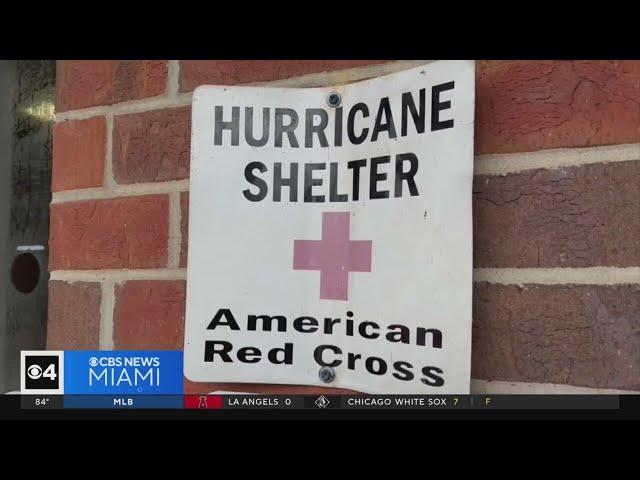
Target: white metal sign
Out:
[330,234]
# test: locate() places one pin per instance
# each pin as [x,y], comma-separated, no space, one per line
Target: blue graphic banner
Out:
[123,401]
[123,372]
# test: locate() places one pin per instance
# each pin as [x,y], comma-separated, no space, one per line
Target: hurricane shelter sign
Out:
[330,233]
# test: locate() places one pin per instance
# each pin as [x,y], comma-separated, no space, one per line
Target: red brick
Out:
[149,315]
[152,146]
[90,83]
[74,316]
[533,105]
[576,335]
[193,388]
[583,216]
[110,234]
[184,228]
[79,150]
[234,72]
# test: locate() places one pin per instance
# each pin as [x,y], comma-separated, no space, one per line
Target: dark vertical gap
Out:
[7,89]
[25,277]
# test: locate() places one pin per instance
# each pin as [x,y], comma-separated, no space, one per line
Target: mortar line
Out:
[173,78]
[109,181]
[318,79]
[119,276]
[503,276]
[117,191]
[504,164]
[107,305]
[480,387]
[175,234]
[559,276]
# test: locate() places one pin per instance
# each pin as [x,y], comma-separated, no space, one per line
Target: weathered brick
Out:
[582,216]
[234,72]
[149,315]
[73,321]
[90,83]
[578,335]
[533,105]
[79,150]
[152,146]
[110,234]
[184,228]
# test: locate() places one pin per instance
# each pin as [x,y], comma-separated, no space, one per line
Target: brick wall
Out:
[556,211]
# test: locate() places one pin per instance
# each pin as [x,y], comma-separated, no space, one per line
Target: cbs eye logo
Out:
[34,372]
[41,372]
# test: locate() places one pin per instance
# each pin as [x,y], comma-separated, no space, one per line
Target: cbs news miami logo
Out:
[101,372]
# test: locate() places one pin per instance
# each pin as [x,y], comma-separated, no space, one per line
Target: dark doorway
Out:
[27,89]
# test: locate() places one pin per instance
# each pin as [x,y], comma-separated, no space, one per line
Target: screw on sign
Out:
[334,99]
[327,374]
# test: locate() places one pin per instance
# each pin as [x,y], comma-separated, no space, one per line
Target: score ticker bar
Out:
[413,402]
[324,402]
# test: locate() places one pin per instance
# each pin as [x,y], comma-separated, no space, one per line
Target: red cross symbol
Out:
[335,256]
